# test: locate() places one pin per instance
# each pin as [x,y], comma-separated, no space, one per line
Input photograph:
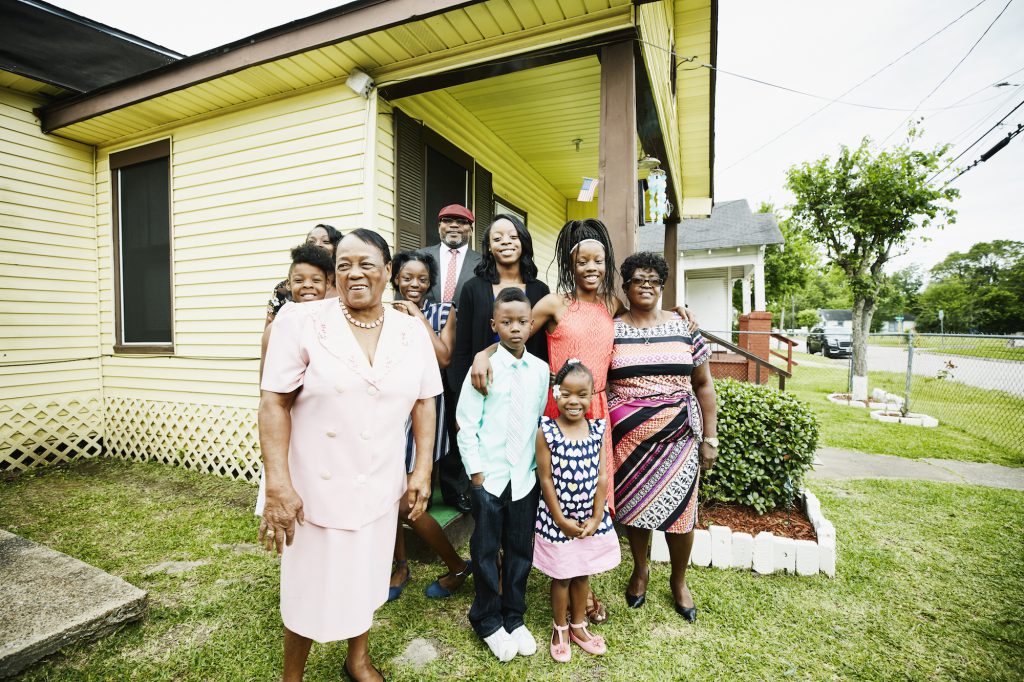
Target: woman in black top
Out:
[507,262]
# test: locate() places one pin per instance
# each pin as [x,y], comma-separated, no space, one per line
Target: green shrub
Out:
[767,440]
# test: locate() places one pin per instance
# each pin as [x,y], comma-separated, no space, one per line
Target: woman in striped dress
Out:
[415,273]
[662,412]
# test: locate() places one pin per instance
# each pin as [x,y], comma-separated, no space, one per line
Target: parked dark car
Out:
[831,341]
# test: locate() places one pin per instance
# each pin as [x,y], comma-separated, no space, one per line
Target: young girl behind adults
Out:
[323,236]
[574,534]
[415,273]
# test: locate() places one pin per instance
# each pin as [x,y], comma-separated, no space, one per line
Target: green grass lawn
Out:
[930,586]
[975,424]
[975,347]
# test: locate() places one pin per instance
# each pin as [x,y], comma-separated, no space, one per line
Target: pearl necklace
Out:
[357,323]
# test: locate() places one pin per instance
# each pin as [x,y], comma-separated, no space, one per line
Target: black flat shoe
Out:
[635,602]
[348,675]
[689,614]
[462,503]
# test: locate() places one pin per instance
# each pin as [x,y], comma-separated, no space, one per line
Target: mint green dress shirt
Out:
[483,424]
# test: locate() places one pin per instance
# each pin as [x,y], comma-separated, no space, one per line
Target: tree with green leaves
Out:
[788,266]
[981,290]
[900,295]
[862,208]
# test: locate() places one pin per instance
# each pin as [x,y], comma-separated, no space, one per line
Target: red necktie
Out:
[449,279]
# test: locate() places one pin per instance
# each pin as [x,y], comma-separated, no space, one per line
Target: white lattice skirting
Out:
[49,431]
[207,438]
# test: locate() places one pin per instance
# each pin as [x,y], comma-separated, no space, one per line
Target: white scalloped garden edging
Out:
[766,553]
[878,399]
[910,419]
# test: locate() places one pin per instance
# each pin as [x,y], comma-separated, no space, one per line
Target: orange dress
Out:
[586,332]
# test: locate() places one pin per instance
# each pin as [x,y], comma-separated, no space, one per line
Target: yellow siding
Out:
[48,302]
[50,386]
[246,187]
[514,178]
[693,95]
[656,21]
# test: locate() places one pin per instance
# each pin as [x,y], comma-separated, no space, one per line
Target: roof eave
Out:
[334,26]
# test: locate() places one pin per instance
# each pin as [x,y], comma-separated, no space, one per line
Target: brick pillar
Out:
[758,344]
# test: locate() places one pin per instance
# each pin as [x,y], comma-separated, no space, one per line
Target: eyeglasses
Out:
[642,282]
[461,222]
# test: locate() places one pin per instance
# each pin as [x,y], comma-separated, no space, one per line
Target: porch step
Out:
[49,600]
[456,525]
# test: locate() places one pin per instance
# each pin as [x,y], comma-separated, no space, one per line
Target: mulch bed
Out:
[787,523]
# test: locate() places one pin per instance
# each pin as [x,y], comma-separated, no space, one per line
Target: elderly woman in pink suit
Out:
[341,377]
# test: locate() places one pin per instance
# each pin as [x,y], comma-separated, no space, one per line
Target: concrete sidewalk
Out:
[839,464]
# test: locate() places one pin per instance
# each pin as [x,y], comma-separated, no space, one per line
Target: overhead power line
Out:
[975,143]
[995,149]
[950,73]
[859,84]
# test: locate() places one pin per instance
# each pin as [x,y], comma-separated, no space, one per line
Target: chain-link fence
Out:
[972,383]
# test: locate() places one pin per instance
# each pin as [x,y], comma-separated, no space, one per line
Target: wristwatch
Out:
[712,441]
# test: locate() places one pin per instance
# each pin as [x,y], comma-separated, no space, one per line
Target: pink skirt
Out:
[333,580]
[578,557]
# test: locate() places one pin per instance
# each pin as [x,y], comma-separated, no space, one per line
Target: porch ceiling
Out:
[539,112]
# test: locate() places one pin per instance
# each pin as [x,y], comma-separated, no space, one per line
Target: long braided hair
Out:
[571,234]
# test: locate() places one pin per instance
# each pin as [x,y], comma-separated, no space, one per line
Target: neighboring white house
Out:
[713,253]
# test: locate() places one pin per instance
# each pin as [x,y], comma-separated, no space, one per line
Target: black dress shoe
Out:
[635,602]
[462,503]
[689,614]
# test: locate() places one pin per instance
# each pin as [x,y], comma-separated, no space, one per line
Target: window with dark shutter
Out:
[410,182]
[141,201]
[483,200]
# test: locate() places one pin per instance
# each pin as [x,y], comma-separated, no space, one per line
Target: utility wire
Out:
[995,149]
[966,132]
[975,143]
[951,72]
[859,84]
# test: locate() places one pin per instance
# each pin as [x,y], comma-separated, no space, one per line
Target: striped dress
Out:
[437,315]
[656,425]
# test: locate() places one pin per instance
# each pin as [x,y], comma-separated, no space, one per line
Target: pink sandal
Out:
[561,651]
[595,645]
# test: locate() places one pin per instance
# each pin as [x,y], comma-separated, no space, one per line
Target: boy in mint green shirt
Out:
[497,441]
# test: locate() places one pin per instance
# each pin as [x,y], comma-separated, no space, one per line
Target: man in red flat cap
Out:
[455,263]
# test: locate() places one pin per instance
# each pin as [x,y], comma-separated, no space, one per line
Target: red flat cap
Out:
[456,211]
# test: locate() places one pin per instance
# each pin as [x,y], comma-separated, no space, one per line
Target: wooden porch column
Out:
[675,264]
[760,302]
[746,294]
[617,191]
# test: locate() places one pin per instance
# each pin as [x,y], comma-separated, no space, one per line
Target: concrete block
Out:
[807,561]
[784,554]
[701,553]
[825,529]
[742,550]
[721,546]
[827,556]
[51,601]
[659,546]
[764,558]
[878,394]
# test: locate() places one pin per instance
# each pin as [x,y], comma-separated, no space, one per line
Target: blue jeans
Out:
[501,523]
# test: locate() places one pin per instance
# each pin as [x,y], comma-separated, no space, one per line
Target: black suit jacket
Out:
[465,274]
[473,327]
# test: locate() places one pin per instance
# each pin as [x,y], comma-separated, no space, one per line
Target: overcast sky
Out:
[815,46]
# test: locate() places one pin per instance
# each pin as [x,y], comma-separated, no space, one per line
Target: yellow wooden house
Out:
[145,217]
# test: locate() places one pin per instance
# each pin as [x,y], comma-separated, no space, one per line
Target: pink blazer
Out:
[346,456]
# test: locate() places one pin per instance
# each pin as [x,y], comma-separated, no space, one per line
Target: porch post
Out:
[617,190]
[675,263]
[760,302]
[746,293]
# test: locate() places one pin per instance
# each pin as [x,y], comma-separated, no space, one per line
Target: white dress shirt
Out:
[446,255]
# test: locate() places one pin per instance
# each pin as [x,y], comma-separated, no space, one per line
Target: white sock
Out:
[502,645]
[524,640]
